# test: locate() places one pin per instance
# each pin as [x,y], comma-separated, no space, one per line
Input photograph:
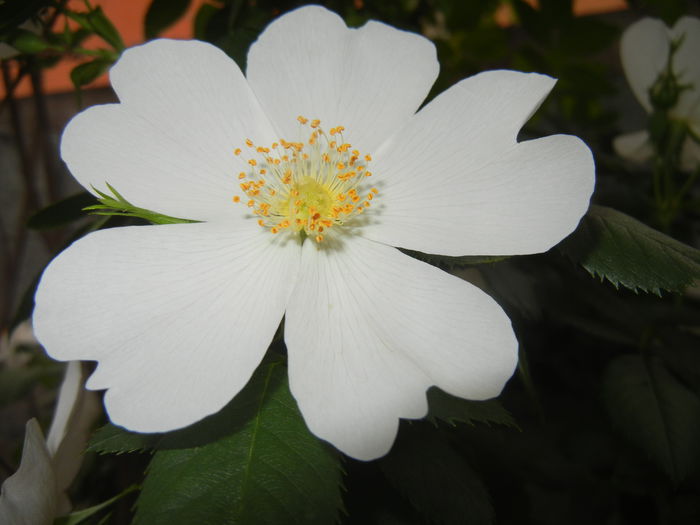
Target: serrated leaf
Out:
[655,412]
[266,469]
[436,480]
[162,14]
[451,409]
[111,439]
[62,212]
[616,247]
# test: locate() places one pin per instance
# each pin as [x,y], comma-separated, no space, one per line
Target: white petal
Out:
[68,397]
[178,316]
[168,147]
[635,146]
[455,181]
[73,419]
[686,64]
[369,80]
[29,495]
[644,50]
[369,329]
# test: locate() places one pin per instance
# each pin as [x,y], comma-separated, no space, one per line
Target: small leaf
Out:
[62,212]
[28,42]
[162,14]
[266,468]
[104,27]
[86,72]
[616,247]
[655,412]
[435,479]
[453,410]
[96,21]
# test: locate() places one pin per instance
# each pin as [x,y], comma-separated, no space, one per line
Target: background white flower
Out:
[645,50]
[179,316]
[36,493]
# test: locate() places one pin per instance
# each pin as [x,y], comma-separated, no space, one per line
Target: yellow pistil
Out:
[312,186]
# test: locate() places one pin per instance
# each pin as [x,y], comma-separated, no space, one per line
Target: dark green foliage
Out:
[15,12]
[616,247]
[435,479]
[655,412]
[162,14]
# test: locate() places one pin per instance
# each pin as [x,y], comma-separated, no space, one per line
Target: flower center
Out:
[309,186]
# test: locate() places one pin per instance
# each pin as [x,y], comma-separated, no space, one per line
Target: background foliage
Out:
[601,423]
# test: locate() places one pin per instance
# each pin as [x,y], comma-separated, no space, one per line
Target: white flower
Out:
[179,316]
[36,493]
[645,50]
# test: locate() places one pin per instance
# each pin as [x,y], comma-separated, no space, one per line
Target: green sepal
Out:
[81,516]
[116,204]
[448,262]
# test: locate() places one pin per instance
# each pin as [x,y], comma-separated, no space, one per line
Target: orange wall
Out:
[128,17]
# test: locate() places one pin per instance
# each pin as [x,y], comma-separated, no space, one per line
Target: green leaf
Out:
[96,21]
[655,412]
[28,42]
[162,14]
[105,28]
[111,439]
[453,410]
[86,72]
[616,247]
[62,212]
[201,20]
[116,204]
[266,468]
[435,479]
[75,518]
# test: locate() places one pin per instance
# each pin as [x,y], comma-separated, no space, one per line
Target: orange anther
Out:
[236,198]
